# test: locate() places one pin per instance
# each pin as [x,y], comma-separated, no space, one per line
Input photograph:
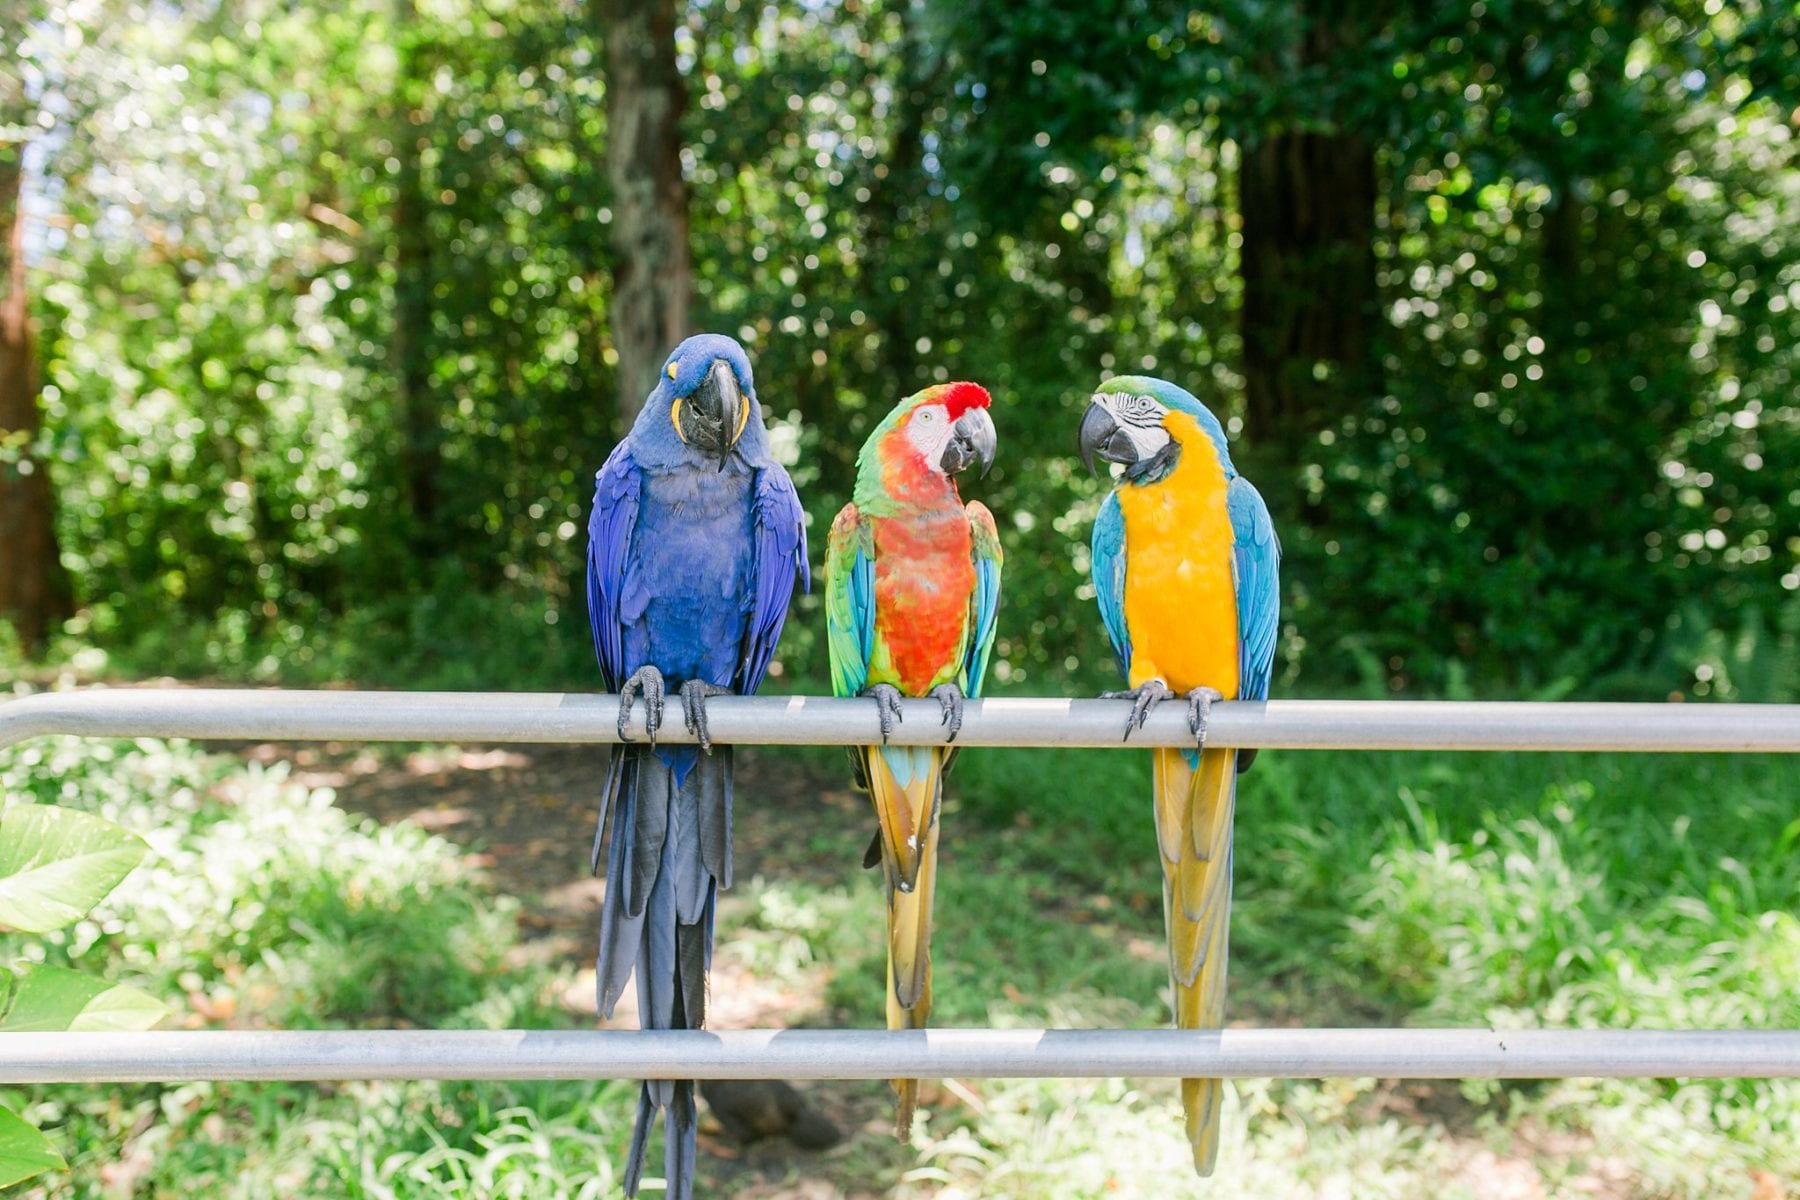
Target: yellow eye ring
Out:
[672,367]
[675,420]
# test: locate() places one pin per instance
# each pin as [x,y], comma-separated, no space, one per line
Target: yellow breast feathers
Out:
[1180,589]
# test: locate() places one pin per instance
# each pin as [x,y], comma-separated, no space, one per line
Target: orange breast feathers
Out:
[924,576]
[1180,590]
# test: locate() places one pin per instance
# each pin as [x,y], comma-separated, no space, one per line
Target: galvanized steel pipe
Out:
[880,1054]
[580,717]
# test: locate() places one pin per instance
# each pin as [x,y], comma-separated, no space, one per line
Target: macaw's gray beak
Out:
[711,417]
[1102,436]
[971,438]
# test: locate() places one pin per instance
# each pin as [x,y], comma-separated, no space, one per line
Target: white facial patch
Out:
[1141,419]
[929,431]
[1148,440]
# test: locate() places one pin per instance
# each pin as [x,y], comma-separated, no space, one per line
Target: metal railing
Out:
[878,1054]
[576,717]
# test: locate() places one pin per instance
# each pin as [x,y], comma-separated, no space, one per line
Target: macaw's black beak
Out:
[711,417]
[971,438]
[1102,436]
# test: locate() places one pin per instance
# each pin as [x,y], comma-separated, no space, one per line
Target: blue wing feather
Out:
[984,602]
[617,487]
[1256,562]
[779,527]
[987,611]
[862,599]
[1108,565]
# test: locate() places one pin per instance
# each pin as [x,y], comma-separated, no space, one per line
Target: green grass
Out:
[1422,889]
[1513,890]
[264,904]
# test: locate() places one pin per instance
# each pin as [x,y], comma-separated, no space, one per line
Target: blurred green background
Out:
[1502,300]
[313,332]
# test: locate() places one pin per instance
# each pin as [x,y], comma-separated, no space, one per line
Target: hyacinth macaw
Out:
[912,591]
[694,547]
[1185,563]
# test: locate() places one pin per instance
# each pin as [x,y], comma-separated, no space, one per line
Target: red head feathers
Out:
[959,398]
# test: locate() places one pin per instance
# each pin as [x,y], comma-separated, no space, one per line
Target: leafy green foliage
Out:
[24,1152]
[264,903]
[216,350]
[1584,248]
[280,895]
[56,864]
[52,999]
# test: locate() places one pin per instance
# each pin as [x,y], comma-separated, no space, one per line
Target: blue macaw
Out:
[1186,566]
[694,546]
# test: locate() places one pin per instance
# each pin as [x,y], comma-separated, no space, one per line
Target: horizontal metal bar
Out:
[880,1054]
[812,720]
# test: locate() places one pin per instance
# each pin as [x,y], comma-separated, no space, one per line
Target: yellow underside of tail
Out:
[1193,833]
[907,812]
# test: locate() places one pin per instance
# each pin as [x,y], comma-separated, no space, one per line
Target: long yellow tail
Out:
[1193,831]
[905,783]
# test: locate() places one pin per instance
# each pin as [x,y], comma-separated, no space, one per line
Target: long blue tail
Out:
[671,852]
[679,1147]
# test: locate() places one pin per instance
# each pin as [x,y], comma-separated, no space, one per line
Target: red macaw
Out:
[912,589]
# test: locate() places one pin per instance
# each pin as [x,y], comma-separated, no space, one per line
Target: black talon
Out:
[1200,702]
[648,681]
[693,709]
[887,704]
[1144,697]
[950,698]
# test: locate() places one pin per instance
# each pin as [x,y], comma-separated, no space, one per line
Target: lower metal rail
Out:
[880,1054]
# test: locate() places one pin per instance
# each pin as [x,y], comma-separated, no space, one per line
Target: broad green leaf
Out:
[24,1151]
[54,999]
[56,864]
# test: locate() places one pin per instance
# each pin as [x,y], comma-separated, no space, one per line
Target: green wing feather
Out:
[850,601]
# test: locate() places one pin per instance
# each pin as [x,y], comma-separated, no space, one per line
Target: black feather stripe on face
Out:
[1144,412]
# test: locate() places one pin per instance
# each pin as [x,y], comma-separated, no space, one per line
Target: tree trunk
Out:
[652,271]
[421,430]
[1310,301]
[33,591]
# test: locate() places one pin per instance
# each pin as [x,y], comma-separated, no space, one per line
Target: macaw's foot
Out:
[887,703]
[648,681]
[950,699]
[693,708]
[1143,697]
[1200,702]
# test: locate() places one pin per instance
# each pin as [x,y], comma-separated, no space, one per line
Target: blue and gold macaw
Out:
[1185,564]
[694,547]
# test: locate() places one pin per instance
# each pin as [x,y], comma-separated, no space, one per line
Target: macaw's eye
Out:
[927,416]
[1139,408]
[672,369]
